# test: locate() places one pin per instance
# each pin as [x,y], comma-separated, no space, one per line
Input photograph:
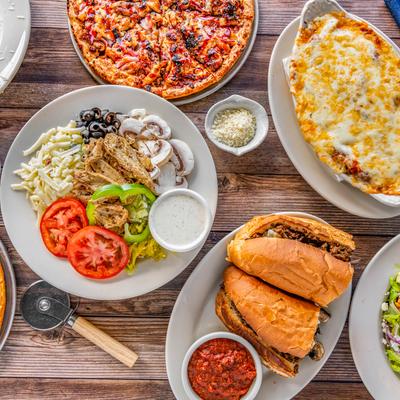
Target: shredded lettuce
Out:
[394,359]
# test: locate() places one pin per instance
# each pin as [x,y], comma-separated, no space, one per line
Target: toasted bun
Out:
[286,323]
[291,265]
[270,357]
[2,295]
[325,232]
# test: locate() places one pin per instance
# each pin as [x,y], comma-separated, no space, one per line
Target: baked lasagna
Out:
[345,79]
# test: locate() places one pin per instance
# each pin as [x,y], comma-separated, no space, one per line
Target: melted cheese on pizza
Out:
[345,80]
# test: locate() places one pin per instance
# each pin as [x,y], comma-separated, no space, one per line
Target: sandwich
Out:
[298,255]
[281,327]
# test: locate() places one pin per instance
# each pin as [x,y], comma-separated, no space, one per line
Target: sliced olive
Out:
[117,123]
[104,113]
[109,117]
[97,112]
[86,141]
[103,127]
[317,352]
[111,129]
[94,126]
[87,115]
[97,134]
[85,134]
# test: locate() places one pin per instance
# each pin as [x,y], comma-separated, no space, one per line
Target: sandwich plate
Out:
[365,323]
[318,176]
[20,220]
[194,316]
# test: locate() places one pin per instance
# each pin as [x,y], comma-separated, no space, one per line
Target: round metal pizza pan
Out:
[204,93]
[11,294]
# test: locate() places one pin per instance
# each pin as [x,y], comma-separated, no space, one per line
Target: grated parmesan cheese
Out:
[234,127]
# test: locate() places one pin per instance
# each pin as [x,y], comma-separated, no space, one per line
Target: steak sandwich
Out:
[301,256]
[281,327]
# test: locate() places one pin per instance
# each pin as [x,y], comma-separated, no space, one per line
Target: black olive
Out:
[80,124]
[116,123]
[97,112]
[97,134]
[94,126]
[87,115]
[103,114]
[85,134]
[86,141]
[111,129]
[102,127]
[109,117]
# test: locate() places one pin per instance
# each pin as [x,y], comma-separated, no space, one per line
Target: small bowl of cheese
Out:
[237,124]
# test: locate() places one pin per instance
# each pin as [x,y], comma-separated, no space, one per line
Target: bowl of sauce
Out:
[180,220]
[221,365]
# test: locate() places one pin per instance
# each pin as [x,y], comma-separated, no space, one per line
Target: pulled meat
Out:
[112,159]
[338,250]
[112,216]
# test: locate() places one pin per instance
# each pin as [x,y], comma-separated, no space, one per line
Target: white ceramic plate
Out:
[342,195]
[20,220]
[193,316]
[15,27]
[206,92]
[365,324]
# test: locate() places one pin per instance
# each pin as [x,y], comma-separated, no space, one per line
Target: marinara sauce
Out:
[221,369]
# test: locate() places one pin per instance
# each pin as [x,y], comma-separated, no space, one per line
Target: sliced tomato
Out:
[59,222]
[98,253]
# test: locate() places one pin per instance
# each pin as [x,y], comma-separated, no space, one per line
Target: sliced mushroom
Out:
[155,127]
[317,352]
[169,180]
[324,316]
[182,157]
[131,125]
[155,173]
[137,113]
[159,151]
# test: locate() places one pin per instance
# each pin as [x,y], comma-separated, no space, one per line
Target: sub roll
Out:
[281,327]
[301,256]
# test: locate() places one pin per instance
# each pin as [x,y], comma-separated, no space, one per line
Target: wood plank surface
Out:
[35,365]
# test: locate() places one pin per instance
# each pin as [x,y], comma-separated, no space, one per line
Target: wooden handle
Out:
[105,342]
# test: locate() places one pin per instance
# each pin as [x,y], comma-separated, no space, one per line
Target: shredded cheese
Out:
[234,127]
[48,175]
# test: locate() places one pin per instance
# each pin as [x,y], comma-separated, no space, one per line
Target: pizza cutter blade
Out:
[45,308]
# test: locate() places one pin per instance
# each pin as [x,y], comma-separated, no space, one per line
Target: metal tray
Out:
[11,295]
[204,93]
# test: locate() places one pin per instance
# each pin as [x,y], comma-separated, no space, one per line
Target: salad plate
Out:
[365,323]
[15,27]
[317,175]
[20,220]
[194,316]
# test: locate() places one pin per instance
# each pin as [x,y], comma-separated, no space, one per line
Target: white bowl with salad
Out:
[374,323]
[79,182]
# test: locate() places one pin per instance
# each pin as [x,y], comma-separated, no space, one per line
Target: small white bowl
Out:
[192,245]
[237,101]
[254,388]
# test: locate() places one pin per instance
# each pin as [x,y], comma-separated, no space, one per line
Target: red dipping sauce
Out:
[221,369]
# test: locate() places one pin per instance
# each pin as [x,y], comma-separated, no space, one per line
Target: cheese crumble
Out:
[234,127]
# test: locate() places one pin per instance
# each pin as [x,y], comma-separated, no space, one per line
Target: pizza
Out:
[345,79]
[172,48]
[2,295]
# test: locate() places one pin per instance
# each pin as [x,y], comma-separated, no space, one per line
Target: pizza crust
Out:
[107,70]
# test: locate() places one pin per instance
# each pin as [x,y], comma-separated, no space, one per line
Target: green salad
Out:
[391,322]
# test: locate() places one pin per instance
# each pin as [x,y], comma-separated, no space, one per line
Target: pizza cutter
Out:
[45,308]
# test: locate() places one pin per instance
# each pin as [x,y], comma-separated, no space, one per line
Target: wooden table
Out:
[37,366]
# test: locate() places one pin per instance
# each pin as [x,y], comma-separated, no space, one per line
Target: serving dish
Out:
[28,242]
[209,90]
[193,316]
[254,388]
[319,177]
[365,323]
[236,101]
[11,295]
[15,28]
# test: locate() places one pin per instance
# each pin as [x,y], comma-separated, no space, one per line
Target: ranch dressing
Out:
[179,220]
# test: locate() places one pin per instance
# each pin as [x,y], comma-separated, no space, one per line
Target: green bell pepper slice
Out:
[133,189]
[107,191]
[140,237]
[90,213]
